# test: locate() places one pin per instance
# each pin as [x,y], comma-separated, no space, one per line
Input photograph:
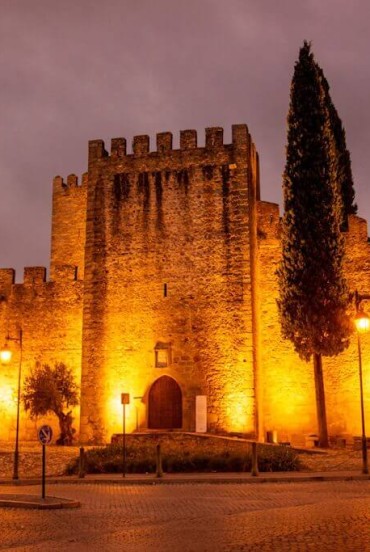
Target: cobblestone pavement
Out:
[326,516]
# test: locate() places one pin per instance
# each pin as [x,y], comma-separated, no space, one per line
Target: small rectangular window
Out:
[162,355]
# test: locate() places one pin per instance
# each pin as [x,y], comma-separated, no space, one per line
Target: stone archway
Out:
[165,404]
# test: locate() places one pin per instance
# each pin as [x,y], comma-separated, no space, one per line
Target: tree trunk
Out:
[66,429]
[320,401]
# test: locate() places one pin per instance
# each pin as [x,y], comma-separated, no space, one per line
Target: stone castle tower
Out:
[162,285]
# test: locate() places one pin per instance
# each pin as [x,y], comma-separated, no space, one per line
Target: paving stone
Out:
[325,516]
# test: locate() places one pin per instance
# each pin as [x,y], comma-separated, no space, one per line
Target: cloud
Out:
[73,71]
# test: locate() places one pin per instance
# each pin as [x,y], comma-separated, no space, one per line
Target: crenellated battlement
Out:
[36,277]
[214,141]
[59,184]
[269,225]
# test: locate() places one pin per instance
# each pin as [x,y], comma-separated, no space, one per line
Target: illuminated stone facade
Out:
[162,285]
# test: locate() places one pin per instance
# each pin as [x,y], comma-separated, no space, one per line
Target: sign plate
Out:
[45,434]
[201,414]
[125,398]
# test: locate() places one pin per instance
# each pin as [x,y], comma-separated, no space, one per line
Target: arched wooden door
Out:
[165,404]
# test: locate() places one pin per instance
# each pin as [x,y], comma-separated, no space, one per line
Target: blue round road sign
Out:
[45,434]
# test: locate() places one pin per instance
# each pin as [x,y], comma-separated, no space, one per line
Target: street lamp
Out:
[5,356]
[362,322]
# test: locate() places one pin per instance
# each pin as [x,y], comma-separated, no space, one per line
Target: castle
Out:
[162,285]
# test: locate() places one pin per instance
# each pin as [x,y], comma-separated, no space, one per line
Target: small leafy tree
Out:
[52,390]
[313,293]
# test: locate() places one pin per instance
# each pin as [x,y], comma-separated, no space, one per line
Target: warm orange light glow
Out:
[114,414]
[114,408]
[7,397]
[362,322]
[238,418]
[5,354]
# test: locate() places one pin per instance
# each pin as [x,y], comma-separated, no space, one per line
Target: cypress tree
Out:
[342,169]
[313,292]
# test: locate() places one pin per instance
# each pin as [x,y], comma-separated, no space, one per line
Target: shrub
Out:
[141,457]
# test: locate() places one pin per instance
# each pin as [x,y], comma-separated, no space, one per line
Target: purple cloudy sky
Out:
[76,70]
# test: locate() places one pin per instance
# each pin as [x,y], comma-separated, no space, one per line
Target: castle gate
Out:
[165,404]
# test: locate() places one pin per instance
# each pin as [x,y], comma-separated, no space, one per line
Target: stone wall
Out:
[288,382]
[50,317]
[164,263]
[68,224]
[168,262]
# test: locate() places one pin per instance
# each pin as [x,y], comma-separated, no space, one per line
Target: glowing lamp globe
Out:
[362,322]
[5,354]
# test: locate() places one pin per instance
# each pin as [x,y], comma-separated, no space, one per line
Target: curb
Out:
[30,502]
[191,480]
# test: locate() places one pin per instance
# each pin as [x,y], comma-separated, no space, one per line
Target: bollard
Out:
[159,471]
[254,471]
[43,472]
[81,464]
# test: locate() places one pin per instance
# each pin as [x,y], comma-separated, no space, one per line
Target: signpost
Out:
[125,399]
[45,435]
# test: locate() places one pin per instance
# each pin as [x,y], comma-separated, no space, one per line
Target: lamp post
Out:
[5,356]
[125,399]
[362,322]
